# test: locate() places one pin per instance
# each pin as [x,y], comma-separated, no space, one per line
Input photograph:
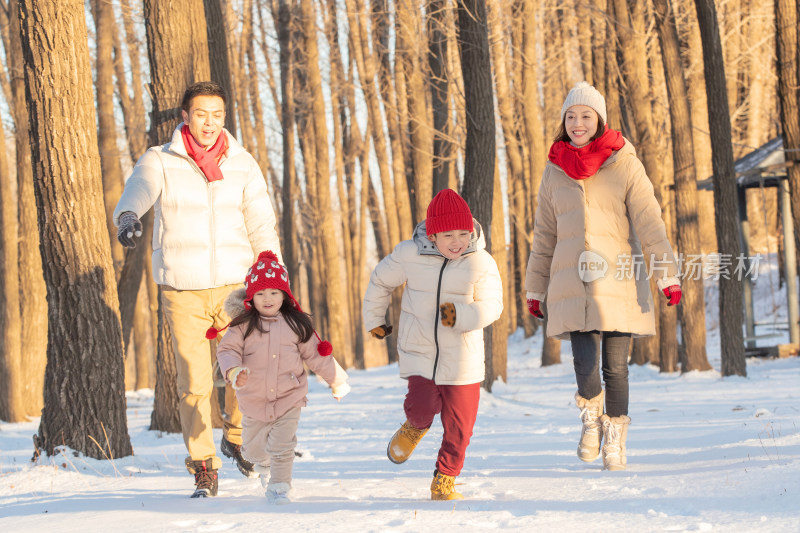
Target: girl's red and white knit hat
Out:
[268,273]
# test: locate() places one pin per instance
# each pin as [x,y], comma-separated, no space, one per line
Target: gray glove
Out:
[129,225]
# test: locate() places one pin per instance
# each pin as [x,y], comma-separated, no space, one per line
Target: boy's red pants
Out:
[458,405]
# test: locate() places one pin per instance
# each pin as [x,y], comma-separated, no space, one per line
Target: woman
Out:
[596,215]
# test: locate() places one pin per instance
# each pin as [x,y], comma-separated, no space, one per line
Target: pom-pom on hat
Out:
[448,211]
[268,273]
[585,94]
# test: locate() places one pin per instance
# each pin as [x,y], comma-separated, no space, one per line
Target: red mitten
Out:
[533,308]
[673,294]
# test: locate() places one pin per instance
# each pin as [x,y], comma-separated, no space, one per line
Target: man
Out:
[212,218]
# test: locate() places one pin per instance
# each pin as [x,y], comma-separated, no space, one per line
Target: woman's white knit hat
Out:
[585,94]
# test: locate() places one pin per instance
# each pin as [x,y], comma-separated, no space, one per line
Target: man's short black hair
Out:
[202,88]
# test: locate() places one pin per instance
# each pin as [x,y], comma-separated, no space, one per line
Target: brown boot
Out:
[592,431]
[403,442]
[615,431]
[443,487]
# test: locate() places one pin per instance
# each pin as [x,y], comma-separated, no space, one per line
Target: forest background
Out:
[358,112]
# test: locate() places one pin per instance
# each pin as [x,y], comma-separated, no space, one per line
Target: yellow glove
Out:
[381,332]
[448,312]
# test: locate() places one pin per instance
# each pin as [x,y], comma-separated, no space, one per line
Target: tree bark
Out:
[335,302]
[788,51]
[175,63]
[105,27]
[84,382]
[32,288]
[218,50]
[12,377]
[692,306]
[479,162]
[731,310]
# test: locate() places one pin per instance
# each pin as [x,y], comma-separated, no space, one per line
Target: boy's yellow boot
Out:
[403,442]
[443,487]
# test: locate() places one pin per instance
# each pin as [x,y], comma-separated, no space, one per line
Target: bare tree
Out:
[692,308]
[731,310]
[479,162]
[84,389]
[12,404]
[176,62]
[788,16]
[33,308]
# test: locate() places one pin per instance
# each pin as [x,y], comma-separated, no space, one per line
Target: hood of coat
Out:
[426,247]
[234,303]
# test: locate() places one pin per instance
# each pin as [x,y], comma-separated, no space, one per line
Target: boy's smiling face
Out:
[451,244]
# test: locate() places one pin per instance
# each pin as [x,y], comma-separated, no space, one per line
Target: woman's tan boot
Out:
[592,431]
[615,431]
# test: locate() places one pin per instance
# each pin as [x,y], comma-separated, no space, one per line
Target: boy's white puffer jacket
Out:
[205,235]
[448,356]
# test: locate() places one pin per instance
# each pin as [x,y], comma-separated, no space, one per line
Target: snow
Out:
[705,453]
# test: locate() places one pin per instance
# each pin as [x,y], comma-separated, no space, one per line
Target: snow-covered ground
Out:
[704,453]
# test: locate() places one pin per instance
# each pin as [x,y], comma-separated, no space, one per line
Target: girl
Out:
[262,357]
[596,211]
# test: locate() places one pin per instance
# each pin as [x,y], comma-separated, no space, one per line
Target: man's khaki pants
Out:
[189,315]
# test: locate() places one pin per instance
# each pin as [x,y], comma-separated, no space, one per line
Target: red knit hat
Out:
[268,273]
[448,212]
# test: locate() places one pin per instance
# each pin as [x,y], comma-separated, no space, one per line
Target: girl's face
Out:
[268,302]
[451,244]
[580,122]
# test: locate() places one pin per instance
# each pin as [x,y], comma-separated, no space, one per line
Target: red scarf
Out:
[581,163]
[207,160]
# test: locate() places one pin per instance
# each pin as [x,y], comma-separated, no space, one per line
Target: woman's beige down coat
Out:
[446,355]
[277,381]
[610,216]
[205,234]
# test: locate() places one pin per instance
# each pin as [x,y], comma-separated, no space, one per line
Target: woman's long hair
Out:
[299,321]
[562,134]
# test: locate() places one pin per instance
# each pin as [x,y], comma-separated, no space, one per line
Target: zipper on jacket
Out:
[436,321]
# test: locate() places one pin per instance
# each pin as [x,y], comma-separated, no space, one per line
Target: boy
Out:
[453,291]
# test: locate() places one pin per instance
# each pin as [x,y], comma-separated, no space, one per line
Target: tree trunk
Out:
[787,14]
[335,301]
[440,88]
[144,340]
[218,51]
[166,410]
[410,38]
[12,378]
[289,246]
[696,83]
[85,392]
[105,27]
[692,306]
[365,64]
[33,307]
[479,162]
[731,310]
[175,63]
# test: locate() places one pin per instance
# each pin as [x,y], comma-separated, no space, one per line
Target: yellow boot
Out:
[442,487]
[403,442]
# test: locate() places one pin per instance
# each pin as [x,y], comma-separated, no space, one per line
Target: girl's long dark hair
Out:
[299,321]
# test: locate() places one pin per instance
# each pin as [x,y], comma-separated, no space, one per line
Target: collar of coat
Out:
[426,247]
[176,144]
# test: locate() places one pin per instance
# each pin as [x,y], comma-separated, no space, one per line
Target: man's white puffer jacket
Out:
[205,235]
